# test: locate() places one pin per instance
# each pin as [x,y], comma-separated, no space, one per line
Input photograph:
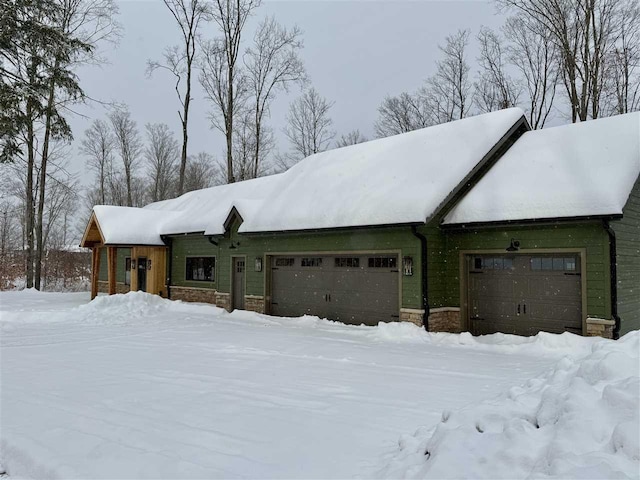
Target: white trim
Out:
[600,321]
[411,310]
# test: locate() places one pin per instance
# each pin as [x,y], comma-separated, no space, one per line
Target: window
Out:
[311,262]
[383,262]
[570,264]
[127,271]
[349,262]
[493,263]
[285,262]
[201,269]
[558,264]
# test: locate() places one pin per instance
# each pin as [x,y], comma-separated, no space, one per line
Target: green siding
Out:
[121,255]
[252,246]
[591,236]
[628,262]
[190,246]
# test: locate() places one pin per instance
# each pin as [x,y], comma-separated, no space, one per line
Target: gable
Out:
[92,234]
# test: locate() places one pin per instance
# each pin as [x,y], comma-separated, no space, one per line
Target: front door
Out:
[142,274]
[238,283]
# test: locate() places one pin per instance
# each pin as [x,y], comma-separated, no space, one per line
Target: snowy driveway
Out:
[138,387]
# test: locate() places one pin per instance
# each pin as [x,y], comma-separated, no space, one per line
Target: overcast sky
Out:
[355,52]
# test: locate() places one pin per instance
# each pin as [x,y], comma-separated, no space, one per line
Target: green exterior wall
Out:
[443,248]
[186,246]
[252,246]
[590,236]
[122,253]
[627,233]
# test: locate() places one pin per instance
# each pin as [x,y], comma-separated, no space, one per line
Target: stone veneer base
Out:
[600,327]
[103,287]
[193,294]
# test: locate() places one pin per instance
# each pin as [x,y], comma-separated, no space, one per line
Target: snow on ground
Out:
[134,386]
[580,420]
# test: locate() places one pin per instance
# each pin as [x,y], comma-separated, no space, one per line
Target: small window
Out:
[285,262]
[201,269]
[311,262]
[547,263]
[558,264]
[348,262]
[487,263]
[536,263]
[497,263]
[127,271]
[383,262]
[477,263]
[570,264]
[507,263]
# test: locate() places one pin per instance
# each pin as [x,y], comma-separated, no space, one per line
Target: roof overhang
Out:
[93,235]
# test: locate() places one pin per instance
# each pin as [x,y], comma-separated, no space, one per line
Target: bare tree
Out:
[98,145]
[129,145]
[180,62]
[272,64]
[202,172]
[401,114]
[161,155]
[534,55]
[495,89]
[228,101]
[221,77]
[309,125]
[352,138]
[449,91]
[584,33]
[244,147]
[623,73]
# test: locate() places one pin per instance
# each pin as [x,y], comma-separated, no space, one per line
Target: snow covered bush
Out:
[581,420]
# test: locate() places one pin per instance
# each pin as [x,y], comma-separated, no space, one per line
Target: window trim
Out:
[215,267]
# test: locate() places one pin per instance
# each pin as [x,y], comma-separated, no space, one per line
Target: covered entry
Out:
[349,288]
[524,294]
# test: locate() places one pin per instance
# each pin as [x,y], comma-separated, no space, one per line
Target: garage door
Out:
[525,294]
[348,288]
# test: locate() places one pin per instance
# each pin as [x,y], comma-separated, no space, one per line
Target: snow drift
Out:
[580,420]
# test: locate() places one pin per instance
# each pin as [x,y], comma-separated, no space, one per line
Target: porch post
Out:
[95,271]
[112,264]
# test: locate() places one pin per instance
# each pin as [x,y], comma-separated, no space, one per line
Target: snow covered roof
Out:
[130,225]
[583,169]
[394,180]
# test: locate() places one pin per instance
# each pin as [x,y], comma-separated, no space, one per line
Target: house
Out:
[477,225]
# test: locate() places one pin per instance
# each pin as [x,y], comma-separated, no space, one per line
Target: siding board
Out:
[627,232]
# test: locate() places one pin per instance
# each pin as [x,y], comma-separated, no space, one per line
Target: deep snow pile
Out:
[581,420]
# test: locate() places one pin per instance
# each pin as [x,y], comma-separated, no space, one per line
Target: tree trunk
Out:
[127,172]
[185,136]
[43,180]
[29,217]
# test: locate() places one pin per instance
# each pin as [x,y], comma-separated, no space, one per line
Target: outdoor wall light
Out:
[234,245]
[258,264]
[407,266]
[148,264]
[133,264]
[514,247]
